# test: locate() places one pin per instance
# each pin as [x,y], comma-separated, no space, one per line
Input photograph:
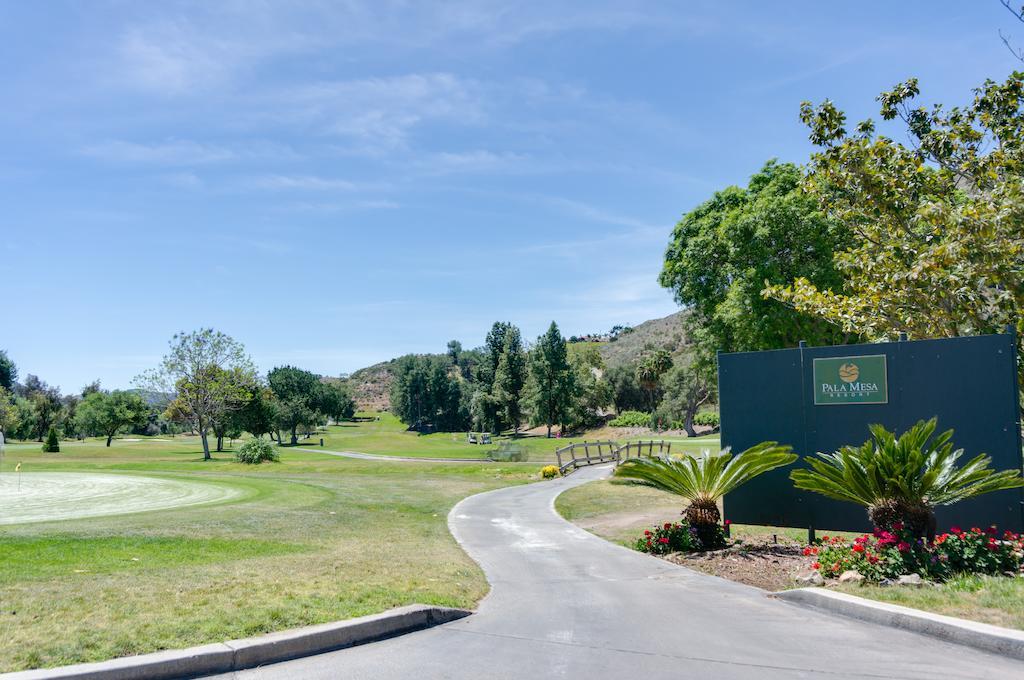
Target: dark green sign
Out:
[850,380]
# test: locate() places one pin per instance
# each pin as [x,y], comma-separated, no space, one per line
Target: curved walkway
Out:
[401,459]
[566,604]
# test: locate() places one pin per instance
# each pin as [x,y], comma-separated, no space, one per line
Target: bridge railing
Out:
[586,453]
[576,455]
[642,448]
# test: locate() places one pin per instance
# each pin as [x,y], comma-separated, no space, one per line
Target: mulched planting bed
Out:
[756,561]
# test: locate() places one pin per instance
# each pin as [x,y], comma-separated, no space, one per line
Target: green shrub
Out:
[51,445]
[631,419]
[255,451]
[549,471]
[660,420]
[707,418]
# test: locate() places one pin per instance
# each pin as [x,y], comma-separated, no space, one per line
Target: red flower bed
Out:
[887,555]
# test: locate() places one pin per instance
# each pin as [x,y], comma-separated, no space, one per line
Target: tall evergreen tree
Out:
[510,378]
[551,379]
[489,406]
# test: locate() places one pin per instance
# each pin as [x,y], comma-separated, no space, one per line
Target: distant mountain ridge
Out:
[666,332]
[371,386]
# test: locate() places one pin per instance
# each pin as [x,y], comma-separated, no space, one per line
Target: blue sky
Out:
[337,183]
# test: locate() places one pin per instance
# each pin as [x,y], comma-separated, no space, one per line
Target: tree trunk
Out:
[109,437]
[220,443]
[295,437]
[703,515]
[206,445]
[549,430]
[688,424]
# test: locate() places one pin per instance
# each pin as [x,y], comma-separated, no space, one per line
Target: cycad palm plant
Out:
[903,480]
[704,479]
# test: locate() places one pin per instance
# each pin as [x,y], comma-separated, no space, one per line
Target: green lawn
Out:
[620,513]
[389,437]
[995,600]
[316,538]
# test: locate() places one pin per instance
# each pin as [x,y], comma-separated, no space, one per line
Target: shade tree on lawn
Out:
[510,379]
[209,376]
[297,392]
[336,401]
[687,387]
[592,394]
[551,380]
[259,415]
[427,392]
[109,413]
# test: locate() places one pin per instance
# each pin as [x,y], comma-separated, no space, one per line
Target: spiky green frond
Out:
[918,467]
[707,476]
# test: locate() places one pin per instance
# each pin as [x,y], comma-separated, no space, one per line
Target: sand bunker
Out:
[47,496]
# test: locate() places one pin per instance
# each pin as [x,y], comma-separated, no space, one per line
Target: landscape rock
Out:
[851,576]
[914,580]
[810,578]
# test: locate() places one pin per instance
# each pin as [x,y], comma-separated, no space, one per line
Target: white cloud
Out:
[381,112]
[302,183]
[183,180]
[173,57]
[336,207]
[170,152]
[595,214]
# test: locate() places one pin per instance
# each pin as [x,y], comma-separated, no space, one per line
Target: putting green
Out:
[48,496]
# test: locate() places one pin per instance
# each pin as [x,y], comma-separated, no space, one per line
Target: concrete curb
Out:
[1002,641]
[237,655]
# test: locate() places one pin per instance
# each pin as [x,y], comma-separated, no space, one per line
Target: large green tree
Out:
[260,414]
[687,387]
[426,392]
[510,378]
[108,413]
[336,401]
[9,417]
[936,224]
[654,363]
[487,405]
[626,392]
[551,379]
[591,392]
[298,393]
[725,251]
[8,372]
[45,402]
[208,374]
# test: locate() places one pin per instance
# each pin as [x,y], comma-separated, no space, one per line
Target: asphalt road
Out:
[566,604]
[395,459]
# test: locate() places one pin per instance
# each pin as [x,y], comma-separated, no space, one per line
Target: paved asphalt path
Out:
[566,604]
[399,459]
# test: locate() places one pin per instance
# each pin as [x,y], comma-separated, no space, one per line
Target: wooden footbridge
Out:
[577,455]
